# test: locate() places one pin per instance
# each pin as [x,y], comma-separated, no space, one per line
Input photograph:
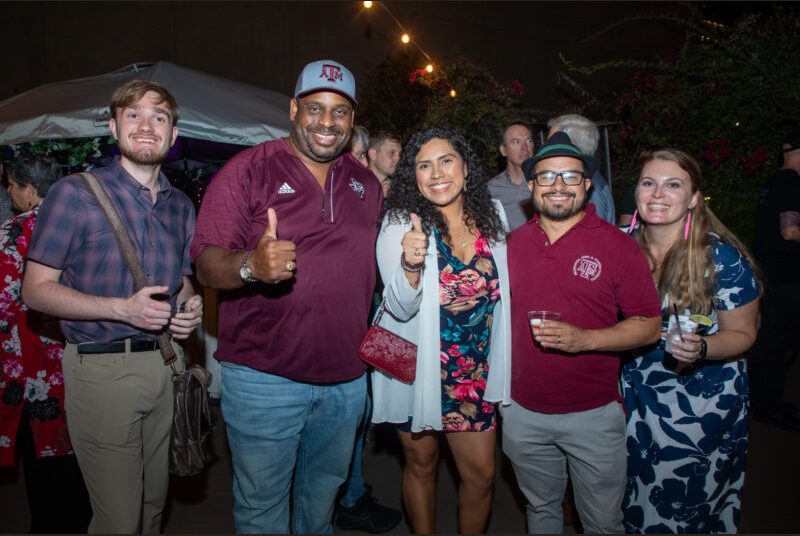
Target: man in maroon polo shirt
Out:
[565,375]
[287,232]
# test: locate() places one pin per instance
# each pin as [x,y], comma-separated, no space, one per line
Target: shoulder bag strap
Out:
[125,244]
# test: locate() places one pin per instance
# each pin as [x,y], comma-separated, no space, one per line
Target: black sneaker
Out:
[366,516]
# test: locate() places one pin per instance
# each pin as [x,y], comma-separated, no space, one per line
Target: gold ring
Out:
[558,340]
[291,265]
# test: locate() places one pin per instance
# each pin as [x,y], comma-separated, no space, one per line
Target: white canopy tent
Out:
[212,108]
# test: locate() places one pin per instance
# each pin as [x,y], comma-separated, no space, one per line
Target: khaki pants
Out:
[541,446]
[119,412]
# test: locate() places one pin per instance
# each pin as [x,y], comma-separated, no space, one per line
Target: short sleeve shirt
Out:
[307,328]
[515,198]
[593,275]
[778,257]
[73,235]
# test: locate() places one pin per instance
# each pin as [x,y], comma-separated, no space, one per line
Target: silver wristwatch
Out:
[244,270]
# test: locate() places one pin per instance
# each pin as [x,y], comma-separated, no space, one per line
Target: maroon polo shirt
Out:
[309,327]
[590,275]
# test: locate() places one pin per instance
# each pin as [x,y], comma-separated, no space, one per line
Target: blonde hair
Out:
[687,273]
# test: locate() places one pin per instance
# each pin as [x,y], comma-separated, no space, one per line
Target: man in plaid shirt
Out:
[118,390]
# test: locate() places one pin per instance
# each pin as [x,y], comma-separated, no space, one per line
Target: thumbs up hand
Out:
[273,260]
[415,242]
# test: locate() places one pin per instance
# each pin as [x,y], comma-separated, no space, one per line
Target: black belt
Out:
[116,347]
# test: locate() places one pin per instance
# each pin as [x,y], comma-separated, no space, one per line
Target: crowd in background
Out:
[610,352]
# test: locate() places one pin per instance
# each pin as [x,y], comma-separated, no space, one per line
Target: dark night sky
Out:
[267,43]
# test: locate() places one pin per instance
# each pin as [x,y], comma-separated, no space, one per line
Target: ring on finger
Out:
[290,266]
[558,339]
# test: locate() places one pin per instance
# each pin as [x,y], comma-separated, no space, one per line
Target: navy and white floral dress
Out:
[687,435]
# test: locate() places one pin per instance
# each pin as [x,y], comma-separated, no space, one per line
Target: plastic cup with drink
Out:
[535,318]
[679,325]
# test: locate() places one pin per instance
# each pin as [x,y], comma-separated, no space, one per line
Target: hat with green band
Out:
[558,144]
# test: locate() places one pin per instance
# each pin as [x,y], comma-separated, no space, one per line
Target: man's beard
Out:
[304,143]
[144,158]
[561,213]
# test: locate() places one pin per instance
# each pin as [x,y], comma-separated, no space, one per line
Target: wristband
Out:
[412,268]
[703,351]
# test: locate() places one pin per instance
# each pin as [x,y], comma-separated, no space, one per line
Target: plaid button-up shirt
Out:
[74,235]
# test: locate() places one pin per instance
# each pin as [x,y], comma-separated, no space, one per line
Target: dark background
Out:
[267,43]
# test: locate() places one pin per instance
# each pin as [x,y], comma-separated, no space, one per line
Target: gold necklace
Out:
[464,233]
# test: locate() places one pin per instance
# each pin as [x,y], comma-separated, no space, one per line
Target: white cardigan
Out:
[414,314]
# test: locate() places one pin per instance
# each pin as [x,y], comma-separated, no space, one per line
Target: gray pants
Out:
[119,410]
[592,442]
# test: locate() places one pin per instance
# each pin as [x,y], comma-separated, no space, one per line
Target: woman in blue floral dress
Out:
[442,257]
[687,432]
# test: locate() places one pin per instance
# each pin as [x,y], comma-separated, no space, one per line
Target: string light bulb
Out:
[453,93]
[405,38]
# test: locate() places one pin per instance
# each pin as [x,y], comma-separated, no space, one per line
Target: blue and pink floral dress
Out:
[468,294]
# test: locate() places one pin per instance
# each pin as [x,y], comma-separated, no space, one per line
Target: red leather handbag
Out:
[388,352]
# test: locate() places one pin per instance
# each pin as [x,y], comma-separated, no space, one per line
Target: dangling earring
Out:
[633,221]
[687,226]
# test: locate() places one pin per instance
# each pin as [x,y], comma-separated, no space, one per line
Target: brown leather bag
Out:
[191,420]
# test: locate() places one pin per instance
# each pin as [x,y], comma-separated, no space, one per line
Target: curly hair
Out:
[404,196]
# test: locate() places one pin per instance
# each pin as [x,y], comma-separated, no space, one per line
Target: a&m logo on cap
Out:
[332,72]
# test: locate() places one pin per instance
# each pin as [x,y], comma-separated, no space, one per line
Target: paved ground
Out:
[203,504]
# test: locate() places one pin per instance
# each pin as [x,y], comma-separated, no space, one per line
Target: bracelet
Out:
[412,268]
[703,351]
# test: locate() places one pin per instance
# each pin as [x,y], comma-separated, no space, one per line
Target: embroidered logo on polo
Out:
[358,188]
[587,267]
[285,189]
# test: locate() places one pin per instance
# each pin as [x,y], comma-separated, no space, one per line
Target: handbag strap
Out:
[125,244]
[379,312]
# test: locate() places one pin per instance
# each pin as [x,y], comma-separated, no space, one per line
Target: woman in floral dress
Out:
[687,425]
[31,382]
[441,254]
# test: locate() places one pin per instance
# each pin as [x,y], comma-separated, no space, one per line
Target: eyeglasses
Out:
[548,178]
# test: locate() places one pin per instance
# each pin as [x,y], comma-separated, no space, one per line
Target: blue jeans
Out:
[288,436]
[355,488]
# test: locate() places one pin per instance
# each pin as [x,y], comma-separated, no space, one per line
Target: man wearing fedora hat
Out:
[287,232]
[565,378]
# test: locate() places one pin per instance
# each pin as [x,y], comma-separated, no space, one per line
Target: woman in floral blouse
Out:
[442,258]
[32,413]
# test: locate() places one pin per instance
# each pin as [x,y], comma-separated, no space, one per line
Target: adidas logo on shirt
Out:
[285,189]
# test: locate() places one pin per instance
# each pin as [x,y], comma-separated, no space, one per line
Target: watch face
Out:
[244,271]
